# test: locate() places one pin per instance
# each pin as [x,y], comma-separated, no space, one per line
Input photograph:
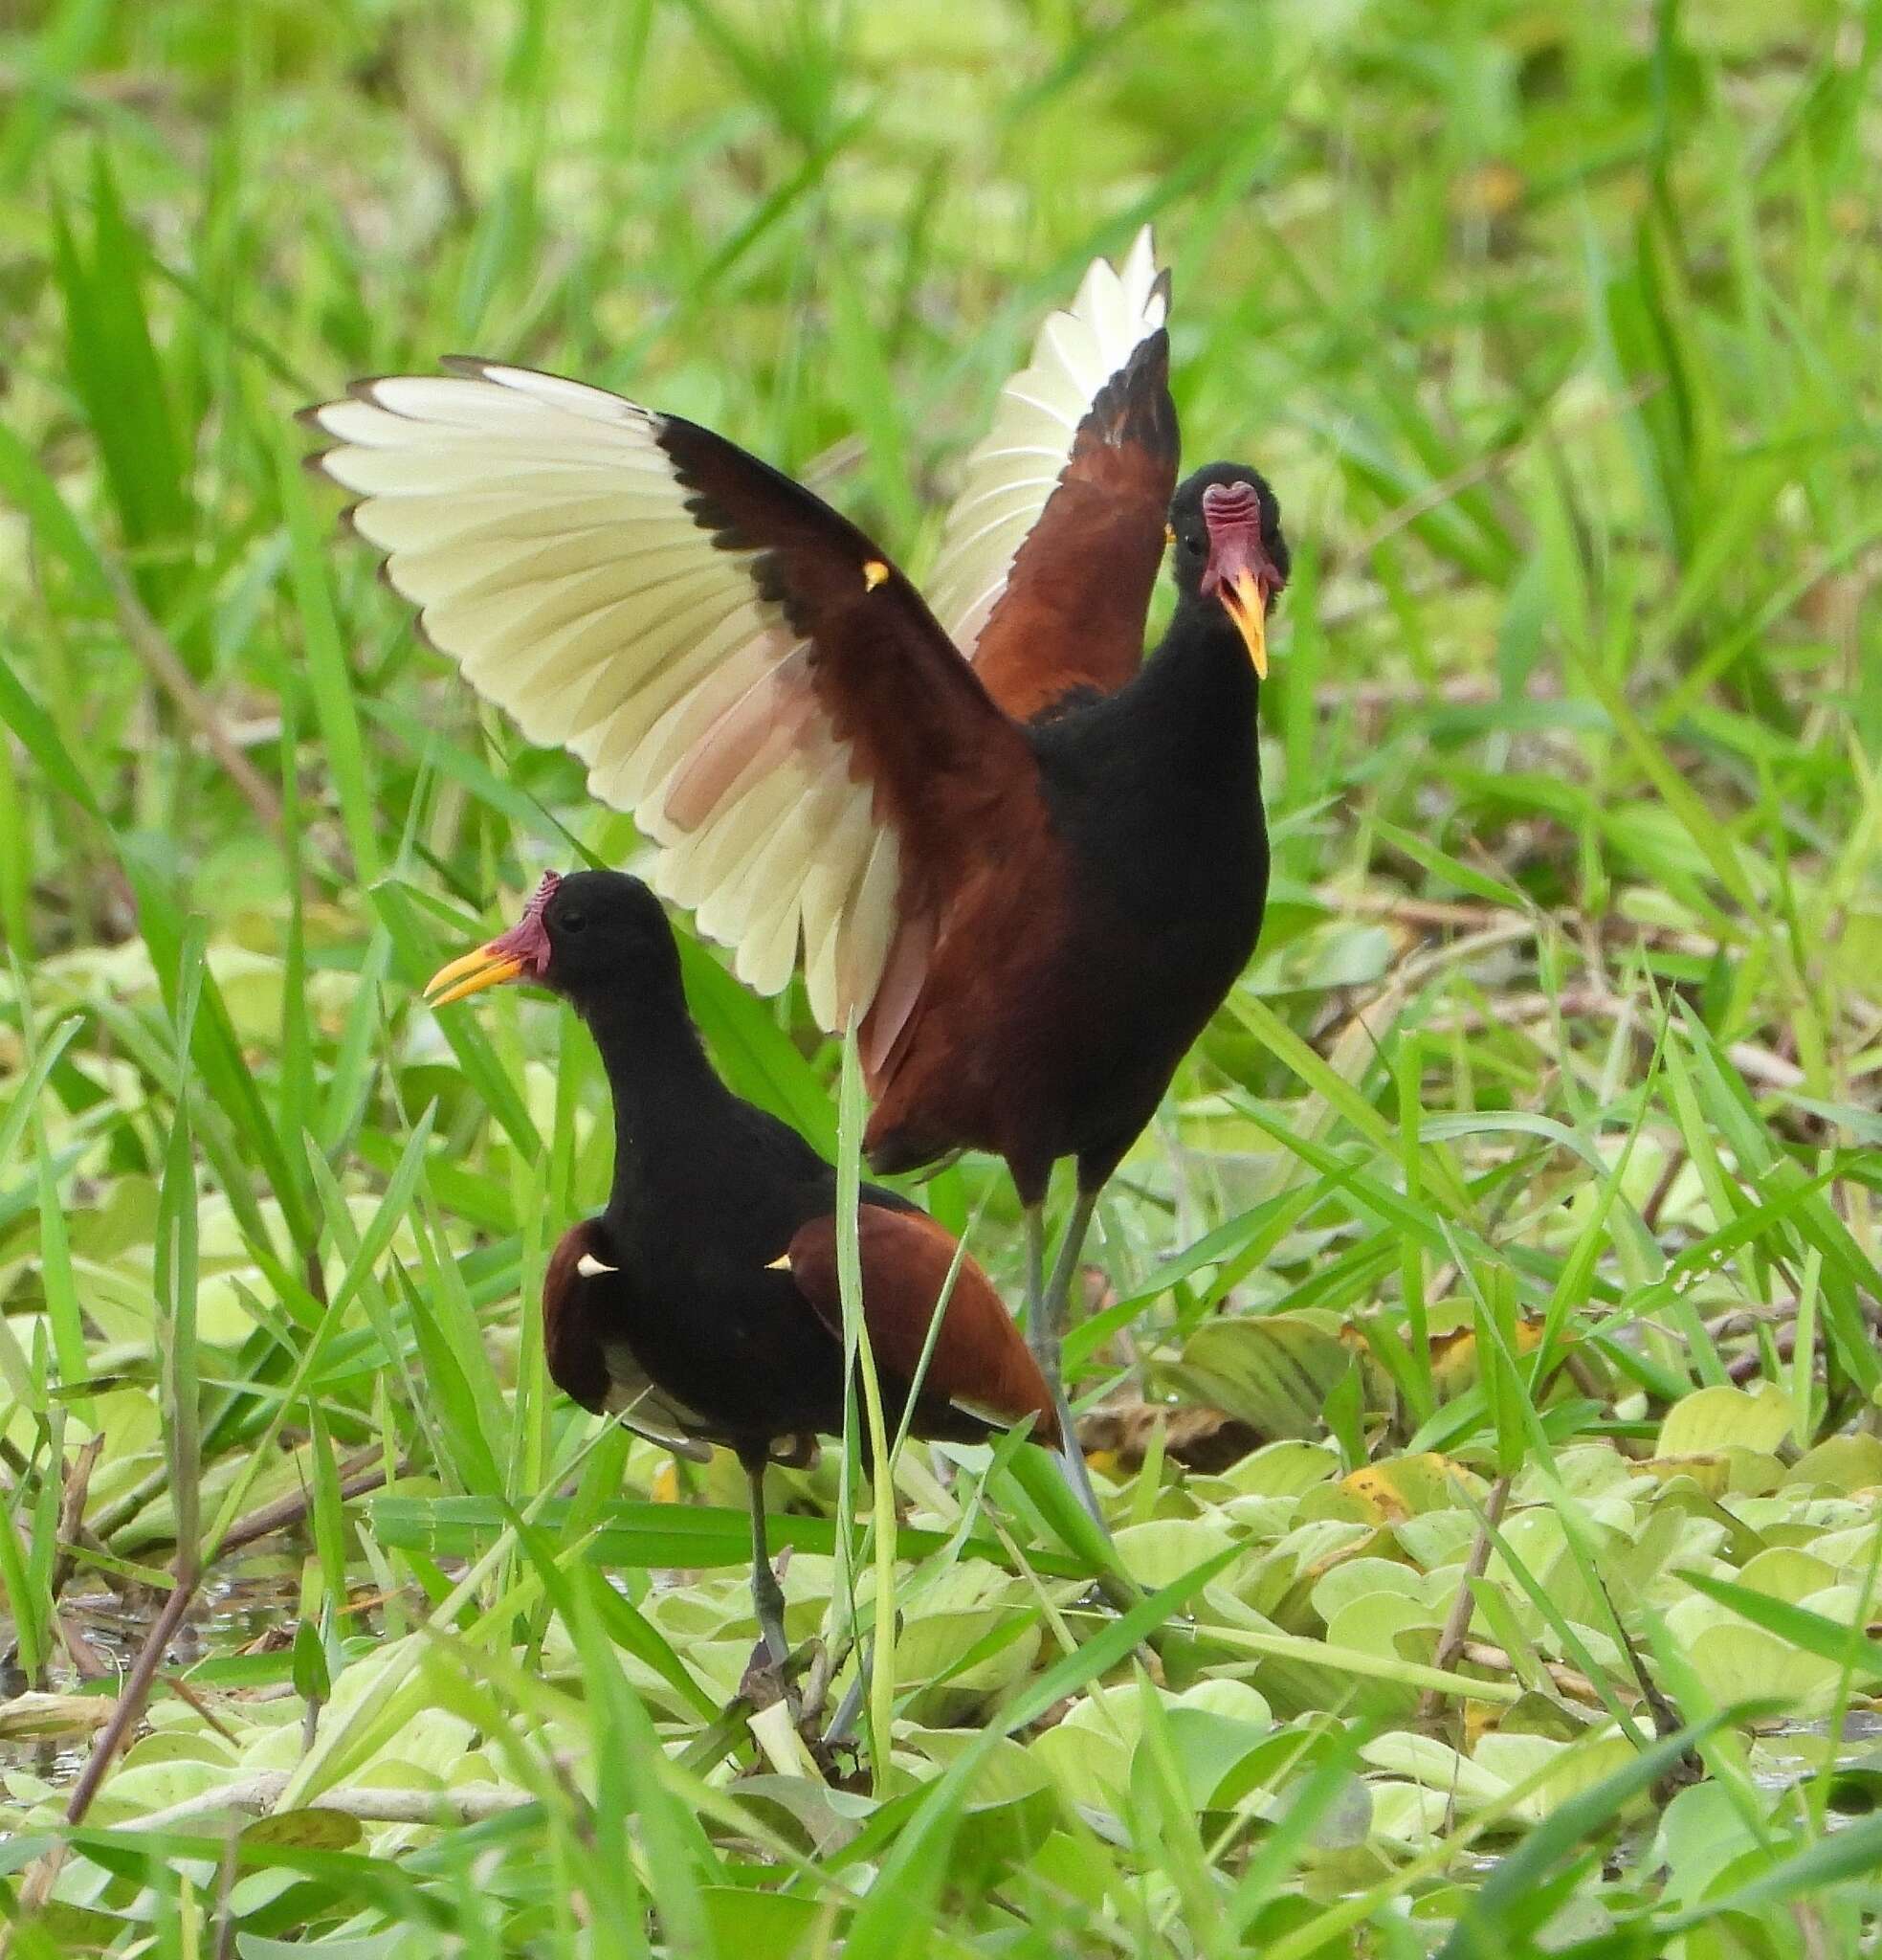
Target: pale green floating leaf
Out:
[778,1925]
[1726,1472]
[132,1430]
[157,1787]
[1404,1487]
[1274,1370]
[1089,1753]
[1584,1471]
[817,1820]
[1411,1816]
[386,1946]
[1282,1469]
[1434,1764]
[313,1829]
[1006,1773]
[1534,1537]
[1208,1749]
[1378,1622]
[272,1747]
[1534,1713]
[1091,1767]
[1015,1804]
[176,1744]
[1075,1868]
[1840,1463]
[1357,1577]
[1235,1700]
[1702,1831]
[1739,1662]
[1260,1520]
[1436,1538]
[1262,1780]
[1841,1602]
[1110,1711]
[1570,1768]
[1157,1554]
[71,1929]
[1720,1417]
[1280,1581]
[932,1644]
[1850,1546]
[1785,1573]
[1645,1564]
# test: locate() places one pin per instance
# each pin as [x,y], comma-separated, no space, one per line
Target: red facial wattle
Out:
[527,941]
[521,953]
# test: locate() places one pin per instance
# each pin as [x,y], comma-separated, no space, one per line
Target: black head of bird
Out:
[1225,545]
[587,935]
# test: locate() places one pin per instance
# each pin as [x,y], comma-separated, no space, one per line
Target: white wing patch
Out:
[538,527]
[1010,475]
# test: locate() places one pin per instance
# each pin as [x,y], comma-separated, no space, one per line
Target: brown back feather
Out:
[980,1360]
[570,1345]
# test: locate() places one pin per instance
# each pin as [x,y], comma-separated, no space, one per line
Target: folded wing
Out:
[600,1374]
[979,1363]
[737,664]
[1051,548]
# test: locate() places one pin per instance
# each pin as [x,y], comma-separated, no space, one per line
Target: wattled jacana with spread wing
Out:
[702,1306]
[1028,875]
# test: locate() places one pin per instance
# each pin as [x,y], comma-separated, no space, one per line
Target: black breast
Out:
[1157,792]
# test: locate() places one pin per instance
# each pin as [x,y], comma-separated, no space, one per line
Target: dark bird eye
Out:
[1194,542]
[571,922]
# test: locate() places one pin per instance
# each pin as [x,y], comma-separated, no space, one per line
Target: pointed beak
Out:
[1245,580]
[1244,599]
[521,953]
[490,966]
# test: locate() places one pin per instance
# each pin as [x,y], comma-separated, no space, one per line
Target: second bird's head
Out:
[586,936]
[1227,546]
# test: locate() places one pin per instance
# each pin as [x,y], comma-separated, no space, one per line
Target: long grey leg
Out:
[1035,1278]
[1046,1327]
[1058,1288]
[767,1596]
[1048,1334]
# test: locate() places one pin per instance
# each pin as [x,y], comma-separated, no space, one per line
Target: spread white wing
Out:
[555,548]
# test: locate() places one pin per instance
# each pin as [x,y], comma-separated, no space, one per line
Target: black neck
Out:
[663,1086]
[1198,695]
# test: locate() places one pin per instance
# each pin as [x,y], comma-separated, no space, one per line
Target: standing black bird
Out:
[1119,913]
[702,1304]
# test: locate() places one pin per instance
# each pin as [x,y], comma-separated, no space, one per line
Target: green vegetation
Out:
[1521,1208]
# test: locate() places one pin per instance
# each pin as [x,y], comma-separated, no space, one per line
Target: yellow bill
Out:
[1246,605]
[488,966]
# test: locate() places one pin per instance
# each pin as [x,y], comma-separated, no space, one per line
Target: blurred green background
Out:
[1555,329]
